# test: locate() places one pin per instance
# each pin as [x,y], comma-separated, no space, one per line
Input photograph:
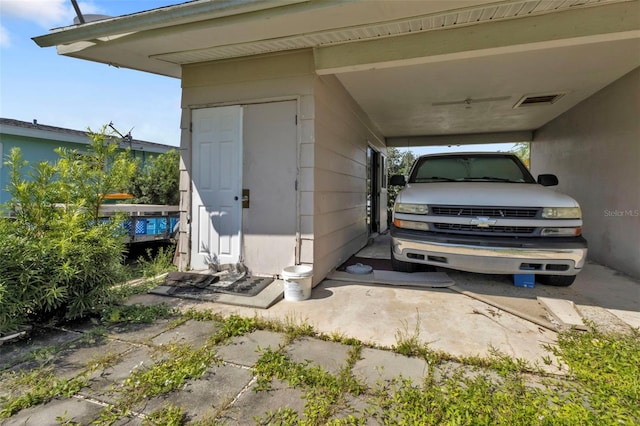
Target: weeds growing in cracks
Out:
[600,386]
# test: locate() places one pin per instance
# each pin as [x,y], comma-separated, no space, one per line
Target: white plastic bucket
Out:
[297,282]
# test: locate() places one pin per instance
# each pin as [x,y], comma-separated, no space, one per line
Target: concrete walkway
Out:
[226,392]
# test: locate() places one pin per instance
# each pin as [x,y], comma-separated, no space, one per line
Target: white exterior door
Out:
[216,205]
[270,223]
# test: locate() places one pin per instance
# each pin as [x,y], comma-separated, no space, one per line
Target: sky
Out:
[38,84]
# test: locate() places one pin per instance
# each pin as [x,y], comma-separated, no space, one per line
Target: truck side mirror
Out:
[548,180]
[397,180]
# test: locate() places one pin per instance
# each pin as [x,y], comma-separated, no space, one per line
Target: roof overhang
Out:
[380,51]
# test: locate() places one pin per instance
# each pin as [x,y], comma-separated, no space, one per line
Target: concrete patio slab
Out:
[201,399]
[595,287]
[105,387]
[377,248]
[359,408]
[630,317]
[139,333]
[382,366]
[192,333]
[330,356]
[56,412]
[253,403]
[442,319]
[129,421]
[246,350]
[24,350]
[417,279]
[564,311]
[71,362]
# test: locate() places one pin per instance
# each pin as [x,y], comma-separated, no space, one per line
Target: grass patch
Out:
[324,392]
[602,388]
[167,416]
[235,325]
[607,368]
[26,389]
[137,314]
[152,264]
[182,363]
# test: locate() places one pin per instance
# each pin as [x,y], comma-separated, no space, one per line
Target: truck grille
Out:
[473,229]
[475,211]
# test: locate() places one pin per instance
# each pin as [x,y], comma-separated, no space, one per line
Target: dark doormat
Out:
[189,279]
[376,264]
[247,286]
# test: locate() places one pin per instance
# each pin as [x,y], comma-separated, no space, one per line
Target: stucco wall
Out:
[594,148]
[342,133]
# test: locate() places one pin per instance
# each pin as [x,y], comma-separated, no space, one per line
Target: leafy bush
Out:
[157,182]
[398,163]
[153,264]
[57,259]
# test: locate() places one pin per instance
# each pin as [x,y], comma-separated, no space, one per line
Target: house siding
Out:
[35,150]
[342,134]
[601,135]
[243,81]
[333,135]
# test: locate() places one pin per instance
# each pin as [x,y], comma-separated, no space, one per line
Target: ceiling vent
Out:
[539,99]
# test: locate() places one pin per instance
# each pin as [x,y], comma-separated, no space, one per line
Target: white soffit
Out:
[451,19]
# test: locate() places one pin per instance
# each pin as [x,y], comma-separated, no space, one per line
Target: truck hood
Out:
[494,194]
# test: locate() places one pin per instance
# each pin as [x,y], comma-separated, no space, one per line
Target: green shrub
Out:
[157,182]
[153,264]
[57,260]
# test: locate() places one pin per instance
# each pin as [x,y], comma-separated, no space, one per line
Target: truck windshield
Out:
[470,168]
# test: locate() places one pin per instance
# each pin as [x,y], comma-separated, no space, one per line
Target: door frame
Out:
[374,165]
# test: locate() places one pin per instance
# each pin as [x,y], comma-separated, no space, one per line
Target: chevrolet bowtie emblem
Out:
[483,222]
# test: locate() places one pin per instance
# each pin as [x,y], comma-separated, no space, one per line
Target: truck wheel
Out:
[557,280]
[401,266]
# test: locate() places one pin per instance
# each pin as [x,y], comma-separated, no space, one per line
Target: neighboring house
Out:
[38,142]
[288,107]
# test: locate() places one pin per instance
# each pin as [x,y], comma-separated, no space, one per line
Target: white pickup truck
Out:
[485,213]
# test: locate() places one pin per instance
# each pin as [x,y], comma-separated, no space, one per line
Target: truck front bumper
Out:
[490,255]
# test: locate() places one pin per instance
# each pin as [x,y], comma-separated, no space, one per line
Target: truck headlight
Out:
[562,213]
[561,232]
[411,208]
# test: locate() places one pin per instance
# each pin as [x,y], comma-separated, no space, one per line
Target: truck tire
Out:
[557,280]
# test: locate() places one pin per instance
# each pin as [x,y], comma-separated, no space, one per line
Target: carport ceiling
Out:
[479,94]
[423,71]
